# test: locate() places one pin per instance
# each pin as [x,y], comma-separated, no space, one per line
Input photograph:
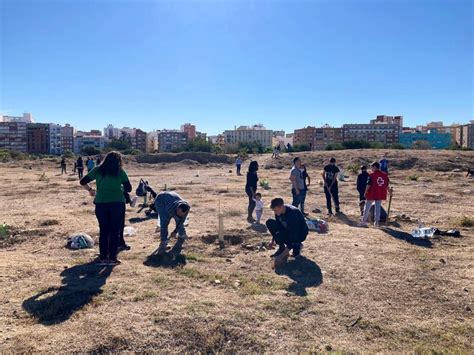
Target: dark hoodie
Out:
[362,184]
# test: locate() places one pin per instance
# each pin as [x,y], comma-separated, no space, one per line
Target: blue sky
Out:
[283,63]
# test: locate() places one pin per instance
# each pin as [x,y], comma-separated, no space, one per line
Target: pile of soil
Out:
[201,158]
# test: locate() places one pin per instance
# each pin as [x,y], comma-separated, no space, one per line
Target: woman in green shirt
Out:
[111,182]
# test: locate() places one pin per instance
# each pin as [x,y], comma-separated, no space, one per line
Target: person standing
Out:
[384,165]
[258,206]
[331,189]
[251,189]
[288,229]
[98,161]
[362,179]
[306,184]
[63,166]
[90,164]
[238,165]
[170,205]
[375,193]
[112,181]
[80,167]
[297,184]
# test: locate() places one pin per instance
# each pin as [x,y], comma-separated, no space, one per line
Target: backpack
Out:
[80,241]
[141,188]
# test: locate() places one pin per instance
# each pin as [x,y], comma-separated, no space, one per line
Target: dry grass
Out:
[355,290]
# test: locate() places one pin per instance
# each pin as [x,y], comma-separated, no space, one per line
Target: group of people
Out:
[112,185]
[289,228]
[79,165]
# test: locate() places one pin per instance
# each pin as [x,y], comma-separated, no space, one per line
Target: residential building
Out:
[201,135]
[280,133]
[139,141]
[381,119]
[80,142]
[153,141]
[37,138]
[55,142]
[435,139]
[326,135]
[169,140]
[189,129]
[256,133]
[468,135]
[383,133]
[13,136]
[67,138]
[218,140]
[93,132]
[304,136]
[110,132]
[282,141]
[26,118]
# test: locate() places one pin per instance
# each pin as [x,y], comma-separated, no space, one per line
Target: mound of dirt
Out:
[187,157]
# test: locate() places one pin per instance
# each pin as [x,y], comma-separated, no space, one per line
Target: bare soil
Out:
[354,289]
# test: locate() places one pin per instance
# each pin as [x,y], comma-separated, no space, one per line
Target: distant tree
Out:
[199,145]
[90,150]
[301,148]
[421,145]
[120,144]
[356,144]
[334,146]
[397,146]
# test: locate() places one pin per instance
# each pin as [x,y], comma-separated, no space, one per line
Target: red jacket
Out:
[378,182]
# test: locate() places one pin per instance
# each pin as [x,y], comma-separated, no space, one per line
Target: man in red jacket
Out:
[375,192]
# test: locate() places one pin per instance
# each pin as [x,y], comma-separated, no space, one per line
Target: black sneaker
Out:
[278,252]
[124,247]
[330,213]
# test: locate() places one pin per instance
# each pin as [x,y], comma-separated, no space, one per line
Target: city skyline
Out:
[224,64]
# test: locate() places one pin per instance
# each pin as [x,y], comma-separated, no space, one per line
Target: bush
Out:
[421,145]
[69,154]
[301,148]
[7,154]
[199,145]
[466,221]
[119,144]
[131,152]
[90,150]
[397,146]
[334,146]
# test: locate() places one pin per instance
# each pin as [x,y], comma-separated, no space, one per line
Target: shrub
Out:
[90,150]
[466,221]
[397,146]
[301,148]
[334,146]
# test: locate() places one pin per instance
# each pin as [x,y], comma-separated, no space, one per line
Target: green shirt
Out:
[109,188]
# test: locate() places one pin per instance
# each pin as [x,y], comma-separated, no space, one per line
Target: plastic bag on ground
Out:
[80,241]
[317,225]
[129,231]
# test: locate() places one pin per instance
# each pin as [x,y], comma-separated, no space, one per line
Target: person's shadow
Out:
[304,272]
[259,228]
[80,285]
[398,234]
[170,259]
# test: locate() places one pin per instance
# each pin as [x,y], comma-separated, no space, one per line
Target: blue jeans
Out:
[299,199]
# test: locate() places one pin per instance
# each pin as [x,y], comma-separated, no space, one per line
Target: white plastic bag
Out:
[129,231]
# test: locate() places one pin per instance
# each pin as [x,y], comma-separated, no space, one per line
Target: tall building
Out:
[13,136]
[383,133]
[55,141]
[326,135]
[435,139]
[388,120]
[82,141]
[255,133]
[26,118]
[139,141]
[189,129]
[304,136]
[67,138]
[171,140]
[152,141]
[468,135]
[110,132]
[37,138]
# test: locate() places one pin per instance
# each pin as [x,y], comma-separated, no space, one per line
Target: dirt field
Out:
[355,290]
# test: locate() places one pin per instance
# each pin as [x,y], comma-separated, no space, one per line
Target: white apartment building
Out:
[55,141]
[256,133]
[26,118]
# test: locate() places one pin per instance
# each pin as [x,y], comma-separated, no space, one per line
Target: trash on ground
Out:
[423,232]
[129,231]
[80,241]
[317,225]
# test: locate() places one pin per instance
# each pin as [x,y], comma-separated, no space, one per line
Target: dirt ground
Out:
[355,289]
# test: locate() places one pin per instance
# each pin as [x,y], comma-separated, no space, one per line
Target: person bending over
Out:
[288,229]
[170,205]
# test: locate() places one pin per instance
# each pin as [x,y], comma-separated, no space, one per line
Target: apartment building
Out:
[67,138]
[326,135]
[384,119]
[190,130]
[13,136]
[304,136]
[169,140]
[37,138]
[249,134]
[386,134]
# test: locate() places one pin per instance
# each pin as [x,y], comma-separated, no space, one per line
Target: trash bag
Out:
[423,232]
[141,188]
[317,225]
[129,231]
[80,241]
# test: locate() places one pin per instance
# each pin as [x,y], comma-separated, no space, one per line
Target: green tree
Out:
[90,150]
[119,144]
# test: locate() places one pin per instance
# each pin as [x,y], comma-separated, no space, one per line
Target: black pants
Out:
[251,206]
[63,170]
[335,196]
[282,237]
[238,169]
[80,171]
[121,238]
[111,216]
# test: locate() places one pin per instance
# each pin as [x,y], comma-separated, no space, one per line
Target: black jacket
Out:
[294,223]
[362,182]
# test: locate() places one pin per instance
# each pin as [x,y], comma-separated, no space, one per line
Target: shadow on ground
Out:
[342,217]
[166,260]
[304,272]
[134,220]
[398,234]
[81,284]
[259,228]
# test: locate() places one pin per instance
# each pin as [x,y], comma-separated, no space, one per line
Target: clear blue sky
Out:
[286,64]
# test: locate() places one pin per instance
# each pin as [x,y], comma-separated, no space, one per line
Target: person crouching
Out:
[288,229]
[170,205]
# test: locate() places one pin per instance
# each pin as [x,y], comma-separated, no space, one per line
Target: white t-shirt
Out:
[258,204]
